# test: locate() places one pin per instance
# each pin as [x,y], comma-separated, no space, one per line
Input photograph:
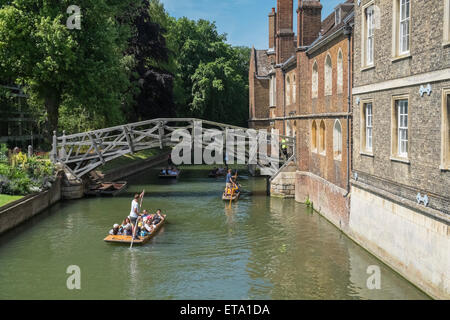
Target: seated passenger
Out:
[115,230]
[157,217]
[127,227]
[148,226]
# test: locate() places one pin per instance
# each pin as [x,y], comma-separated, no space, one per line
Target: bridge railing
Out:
[83,152]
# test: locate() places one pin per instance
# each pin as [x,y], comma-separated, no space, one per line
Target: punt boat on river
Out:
[127,239]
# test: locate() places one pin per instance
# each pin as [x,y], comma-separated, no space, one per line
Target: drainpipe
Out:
[348,33]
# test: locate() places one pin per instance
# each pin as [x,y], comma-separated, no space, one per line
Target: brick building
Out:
[401,149]
[305,94]
[324,59]
[366,93]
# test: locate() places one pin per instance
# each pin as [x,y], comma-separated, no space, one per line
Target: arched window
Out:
[314,136]
[315,81]
[340,72]
[288,91]
[328,76]
[294,89]
[337,140]
[322,137]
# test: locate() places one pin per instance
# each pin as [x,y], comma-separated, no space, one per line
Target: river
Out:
[257,248]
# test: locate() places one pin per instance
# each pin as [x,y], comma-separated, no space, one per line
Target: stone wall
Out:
[421,172]
[14,214]
[428,62]
[283,185]
[413,243]
[427,51]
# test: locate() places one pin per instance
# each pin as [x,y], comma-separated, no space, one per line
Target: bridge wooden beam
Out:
[96,148]
[129,140]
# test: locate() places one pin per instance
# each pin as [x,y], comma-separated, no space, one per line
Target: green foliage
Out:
[211,76]
[28,174]
[130,61]
[78,69]
[309,203]
[3,153]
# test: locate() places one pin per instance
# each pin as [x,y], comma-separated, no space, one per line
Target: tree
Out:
[154,97]
[77,69]
[210,75]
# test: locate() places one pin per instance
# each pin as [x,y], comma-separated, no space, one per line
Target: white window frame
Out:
[446,22]
[405,23]
[364,33]
[402,128]
[370,26]
[445,130]
[369,126]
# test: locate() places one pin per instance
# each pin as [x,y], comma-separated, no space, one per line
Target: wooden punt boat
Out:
[170,176]
[227,196]
[107,189]
[127,239]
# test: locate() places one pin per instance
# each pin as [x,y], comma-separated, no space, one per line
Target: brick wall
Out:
[309,22]
[323,165]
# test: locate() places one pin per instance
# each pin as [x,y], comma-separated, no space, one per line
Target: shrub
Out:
[3,152]
[26,175]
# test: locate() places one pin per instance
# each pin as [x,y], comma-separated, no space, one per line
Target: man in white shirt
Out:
[134,213]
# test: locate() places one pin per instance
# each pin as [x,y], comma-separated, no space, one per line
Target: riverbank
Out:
[17,211]
[5,199]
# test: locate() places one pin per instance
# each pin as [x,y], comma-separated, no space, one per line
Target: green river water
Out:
[257,248]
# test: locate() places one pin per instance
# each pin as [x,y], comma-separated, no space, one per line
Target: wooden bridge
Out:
[83,152]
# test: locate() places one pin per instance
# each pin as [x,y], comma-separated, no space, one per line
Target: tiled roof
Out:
[263,65]
[328,24]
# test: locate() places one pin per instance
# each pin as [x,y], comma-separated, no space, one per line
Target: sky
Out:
[244,21]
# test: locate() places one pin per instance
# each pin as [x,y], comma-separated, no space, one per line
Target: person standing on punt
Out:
[134,213]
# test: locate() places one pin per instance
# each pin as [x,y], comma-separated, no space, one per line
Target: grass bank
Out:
[5,199]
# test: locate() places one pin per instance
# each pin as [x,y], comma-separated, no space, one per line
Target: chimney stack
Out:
[272,28]
[309,24]
[285,35]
